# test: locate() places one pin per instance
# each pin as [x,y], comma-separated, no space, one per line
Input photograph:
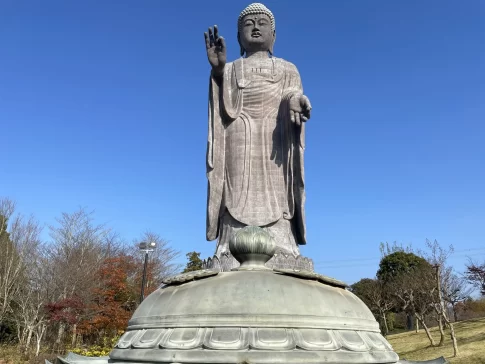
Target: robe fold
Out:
[254,152]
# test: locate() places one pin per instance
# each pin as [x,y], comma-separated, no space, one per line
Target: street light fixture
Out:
[146,247]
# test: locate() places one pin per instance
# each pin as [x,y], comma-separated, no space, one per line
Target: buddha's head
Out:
[256,29]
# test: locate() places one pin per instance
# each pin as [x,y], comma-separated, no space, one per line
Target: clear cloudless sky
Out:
[103,104]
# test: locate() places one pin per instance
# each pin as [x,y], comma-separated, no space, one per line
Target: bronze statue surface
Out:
[256,138]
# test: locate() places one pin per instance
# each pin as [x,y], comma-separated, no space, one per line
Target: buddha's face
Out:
[256,33]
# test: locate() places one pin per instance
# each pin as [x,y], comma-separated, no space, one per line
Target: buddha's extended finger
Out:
[222,42]
[211,37]
[207,41]
[292,116]
[305,103]
[297,118]
[307,112]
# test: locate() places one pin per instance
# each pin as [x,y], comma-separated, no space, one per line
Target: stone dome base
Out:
[252,345]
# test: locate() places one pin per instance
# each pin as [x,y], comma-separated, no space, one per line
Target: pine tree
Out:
[194,262]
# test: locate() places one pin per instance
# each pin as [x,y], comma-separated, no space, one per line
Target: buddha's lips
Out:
[256,35]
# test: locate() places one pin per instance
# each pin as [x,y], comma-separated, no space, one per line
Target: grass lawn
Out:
[471,344]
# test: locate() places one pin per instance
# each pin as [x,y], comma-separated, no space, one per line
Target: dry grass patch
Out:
[9,354]
[471,344]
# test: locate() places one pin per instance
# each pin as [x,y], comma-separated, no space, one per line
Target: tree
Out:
[398,263]
[475,274]
[387,249]
[31,295]
[455,290]
[437,257]
[24,285]
[441,311]
[114,298]
[410,279]
[194,262]
[376,296]
[66,312]
[78,247]
[415,292]
[10,260]
[83,281]
[472,308]
[19,244]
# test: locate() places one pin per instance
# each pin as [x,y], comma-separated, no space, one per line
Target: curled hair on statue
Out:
[256,8]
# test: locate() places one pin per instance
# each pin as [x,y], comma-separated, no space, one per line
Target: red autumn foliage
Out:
[67,310]
[115,295]
[108,306]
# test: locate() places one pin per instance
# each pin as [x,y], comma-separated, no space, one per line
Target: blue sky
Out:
[103,104]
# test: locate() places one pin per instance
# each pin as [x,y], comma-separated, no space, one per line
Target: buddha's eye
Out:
[248,23]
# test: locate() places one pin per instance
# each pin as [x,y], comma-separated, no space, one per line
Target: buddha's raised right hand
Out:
[216,51]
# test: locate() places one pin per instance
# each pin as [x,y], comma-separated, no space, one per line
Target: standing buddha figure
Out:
[256,141]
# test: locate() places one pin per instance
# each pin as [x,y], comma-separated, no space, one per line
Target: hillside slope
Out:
[471,344]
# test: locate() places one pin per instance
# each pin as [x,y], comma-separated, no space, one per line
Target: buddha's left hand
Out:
[300,108]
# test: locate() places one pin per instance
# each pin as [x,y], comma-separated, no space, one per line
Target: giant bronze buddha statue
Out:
[257,115]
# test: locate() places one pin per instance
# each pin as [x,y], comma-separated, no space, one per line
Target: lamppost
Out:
[145,247]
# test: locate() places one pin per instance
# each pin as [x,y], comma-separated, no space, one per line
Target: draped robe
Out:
[254,152]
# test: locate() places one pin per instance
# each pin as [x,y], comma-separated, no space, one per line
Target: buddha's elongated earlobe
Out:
[241,48]
[270,50]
